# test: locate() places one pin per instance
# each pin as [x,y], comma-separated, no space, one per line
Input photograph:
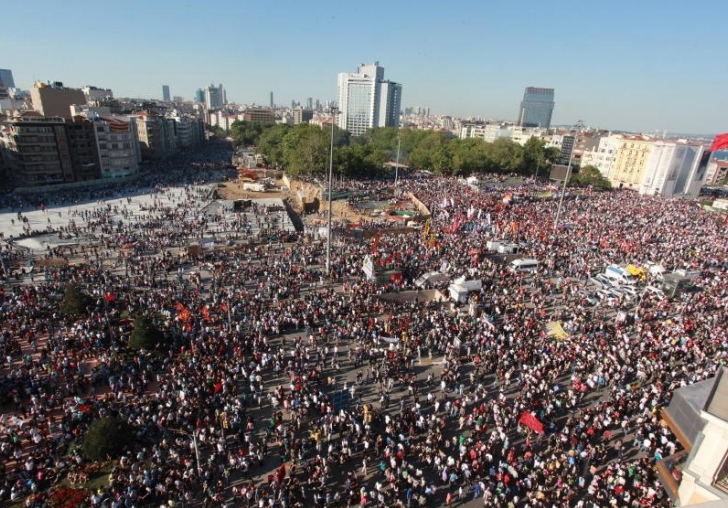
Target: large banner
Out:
[530,421]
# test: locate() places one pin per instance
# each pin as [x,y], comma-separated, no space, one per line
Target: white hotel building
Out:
[366,100]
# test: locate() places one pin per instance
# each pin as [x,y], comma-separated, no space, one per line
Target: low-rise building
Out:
[261,115]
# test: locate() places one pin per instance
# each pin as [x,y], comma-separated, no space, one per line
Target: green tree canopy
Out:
[107,437]
[145,334]
[75,302]
[306,150]
[248,133]
[270,144]
[590,175]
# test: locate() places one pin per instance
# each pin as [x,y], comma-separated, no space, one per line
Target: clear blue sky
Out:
[633,65]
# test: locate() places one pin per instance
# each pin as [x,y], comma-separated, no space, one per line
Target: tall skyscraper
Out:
[6,78]
[199,95]
[165,93]
[214,97]
[537,107]
[272,104]
[366,100]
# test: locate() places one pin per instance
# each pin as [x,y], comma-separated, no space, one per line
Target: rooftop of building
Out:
[689,402]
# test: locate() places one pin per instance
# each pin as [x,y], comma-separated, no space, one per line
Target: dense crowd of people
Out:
[279,384]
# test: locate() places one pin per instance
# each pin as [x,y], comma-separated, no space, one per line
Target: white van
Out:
[523,265]
[619,274]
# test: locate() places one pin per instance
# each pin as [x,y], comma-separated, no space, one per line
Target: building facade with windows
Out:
[118,146]
[157,135]
[261,115]
[366,100]
[190,130]
[537,107]
[84,150]
[37,151]
[630,161]
[603,155]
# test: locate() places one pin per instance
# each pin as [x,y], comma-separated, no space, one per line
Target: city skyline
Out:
[613,64]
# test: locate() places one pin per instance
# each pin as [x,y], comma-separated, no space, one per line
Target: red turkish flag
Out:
[531,422]
[720,142]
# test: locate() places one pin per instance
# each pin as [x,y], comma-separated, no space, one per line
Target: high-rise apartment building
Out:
[54,100]
[166,97]
[37,151]
[157,135]
[366,100]
[117,142]
[272,104]
[84,152]
[190,130]
[674,169]
[214,97]
[6,78]
[537,107]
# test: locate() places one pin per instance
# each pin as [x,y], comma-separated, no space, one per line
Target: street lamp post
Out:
[331,174]
[194,442]
[563,189]
[396,166]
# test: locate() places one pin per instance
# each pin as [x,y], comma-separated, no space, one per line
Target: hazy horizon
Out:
[633,66]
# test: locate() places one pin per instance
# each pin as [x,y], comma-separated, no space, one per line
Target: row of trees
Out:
[304,150]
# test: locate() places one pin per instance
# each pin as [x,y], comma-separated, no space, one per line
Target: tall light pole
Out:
[193,435]
[396,166]
[331,175]
[563,189]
